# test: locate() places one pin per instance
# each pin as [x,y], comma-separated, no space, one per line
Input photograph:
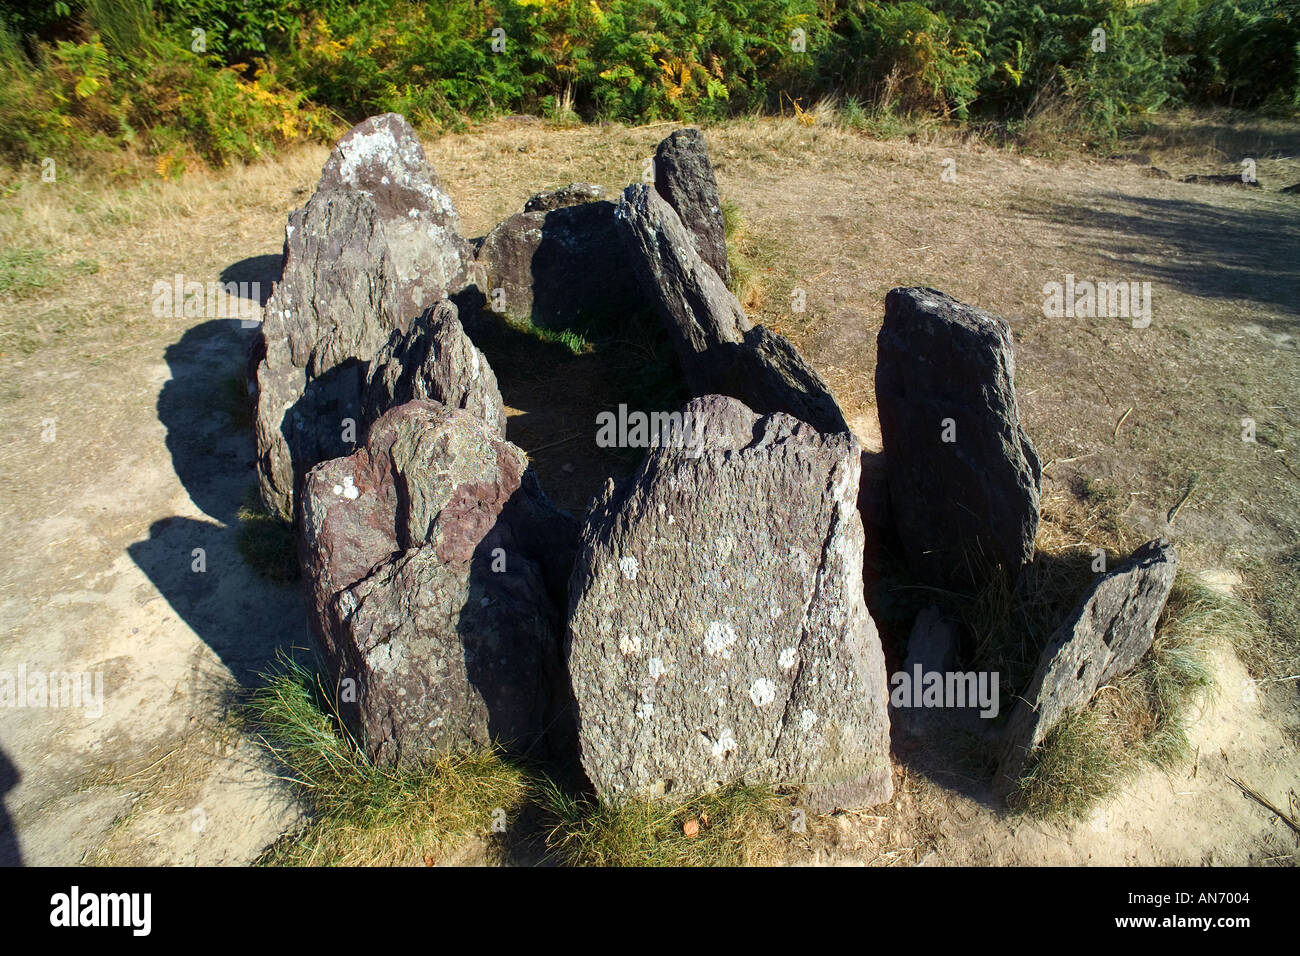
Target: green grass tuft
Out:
[361,814]
[24,271]
[573,339]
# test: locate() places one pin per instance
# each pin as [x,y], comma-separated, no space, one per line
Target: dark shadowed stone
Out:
[558,266]
[684,178]
[448,640]
[374,247]
[701,315]
[719,351]
[434,359]
[932,644]
[1291,189]
[1226,179]
[768,374]
[944,369]
[1105,637]
[571,195]
[718,630]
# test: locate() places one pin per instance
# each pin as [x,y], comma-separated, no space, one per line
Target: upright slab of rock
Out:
[717,627]
[964,478]
[435,360]
[434,565]
[375,246]
[559,262]
[698,310]
[684,178]
[1104,638]
[720,353]
[769,375]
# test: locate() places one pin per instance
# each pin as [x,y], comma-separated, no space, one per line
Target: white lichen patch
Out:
[718,639]
[806,720]
[656,668]
[762,692]
[787,658]
[347,490]
[629,645]
[725,744]
[629,567]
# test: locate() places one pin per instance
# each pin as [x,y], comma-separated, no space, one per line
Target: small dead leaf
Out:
[691,828]
[704,819]
[428,861]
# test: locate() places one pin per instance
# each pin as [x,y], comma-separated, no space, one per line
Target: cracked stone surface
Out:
[717,628]
[434,567]
[376,245]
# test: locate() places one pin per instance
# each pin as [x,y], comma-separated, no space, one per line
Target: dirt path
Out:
[146,464]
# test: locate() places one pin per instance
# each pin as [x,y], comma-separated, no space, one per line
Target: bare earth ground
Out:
[145,465]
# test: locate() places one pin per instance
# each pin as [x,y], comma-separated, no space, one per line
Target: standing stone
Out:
[435,360]
[375,246]
[684,178]
[1105,637]
[964,478]
[720,353]
[573,194]
[718,630]
[932,645]
[428,586]
[694,303]
[559,264]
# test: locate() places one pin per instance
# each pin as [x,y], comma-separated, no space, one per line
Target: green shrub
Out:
[105,75]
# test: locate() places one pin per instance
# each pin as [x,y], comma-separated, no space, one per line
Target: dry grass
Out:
[1141,718]
[363,815]
[734,826]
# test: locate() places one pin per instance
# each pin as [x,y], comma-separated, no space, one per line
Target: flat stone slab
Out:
[718,630]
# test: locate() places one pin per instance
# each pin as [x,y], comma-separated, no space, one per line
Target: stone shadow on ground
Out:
[244,618]
[10,852]
[1215,251]
[265,270]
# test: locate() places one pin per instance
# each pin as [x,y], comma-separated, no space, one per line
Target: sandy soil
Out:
[145,464]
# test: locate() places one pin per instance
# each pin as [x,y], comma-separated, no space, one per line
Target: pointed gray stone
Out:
[1105,637]
[375,246]
[720,353]
[434,360]
[684,178]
